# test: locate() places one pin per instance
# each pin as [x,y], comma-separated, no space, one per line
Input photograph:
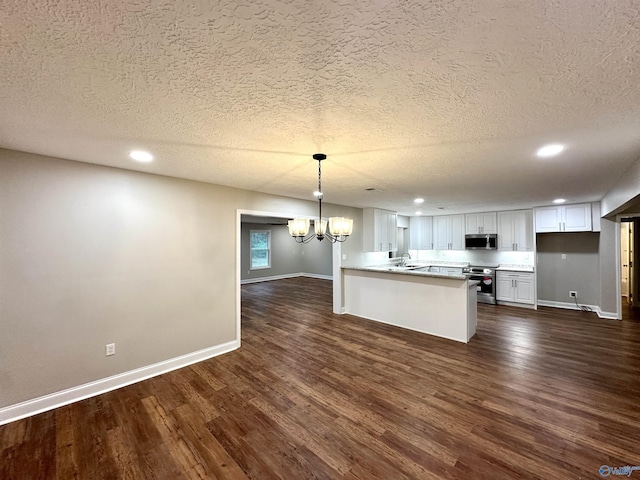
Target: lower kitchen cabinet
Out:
[516,287]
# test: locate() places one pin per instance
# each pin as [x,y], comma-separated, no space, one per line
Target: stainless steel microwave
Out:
[481,241]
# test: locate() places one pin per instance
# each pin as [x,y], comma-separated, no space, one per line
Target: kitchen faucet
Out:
[403,262]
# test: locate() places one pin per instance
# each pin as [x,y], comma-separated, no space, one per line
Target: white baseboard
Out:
[91,389]
[530,306]
[608,315]
[317,275]
[286,275]
[572,306]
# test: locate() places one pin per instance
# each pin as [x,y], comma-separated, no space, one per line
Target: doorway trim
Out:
[619,218]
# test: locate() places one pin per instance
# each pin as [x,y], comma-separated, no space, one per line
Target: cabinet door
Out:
[472,223]
[416,233]
[524,289]
[428,233]
[376,236]
[457,232]
[577,218]
[392,231]
[382,227]
[506,240]
[548,219]
[523,230]
[369,231]
[451,270]
[488,222]
[420,233]
[504,287]
[441,232]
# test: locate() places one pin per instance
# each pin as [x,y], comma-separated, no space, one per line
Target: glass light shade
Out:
[340,226]
[298,227]
[320,226]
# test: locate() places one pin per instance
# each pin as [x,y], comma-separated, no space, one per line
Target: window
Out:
[260,249]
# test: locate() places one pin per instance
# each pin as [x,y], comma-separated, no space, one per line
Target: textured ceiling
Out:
[444,99]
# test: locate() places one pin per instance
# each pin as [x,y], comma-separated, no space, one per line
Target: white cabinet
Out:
[448,232]
[421,233]
[564,218]
[379,230]
[481,223]
[446,270]
[451,270]
[515,231]
[515,287]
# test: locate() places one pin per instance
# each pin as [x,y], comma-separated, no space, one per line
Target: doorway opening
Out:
[286,258]
[629,257]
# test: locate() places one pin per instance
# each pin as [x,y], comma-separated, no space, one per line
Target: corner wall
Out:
[92,255]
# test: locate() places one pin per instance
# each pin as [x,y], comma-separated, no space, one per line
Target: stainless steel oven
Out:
[486,275]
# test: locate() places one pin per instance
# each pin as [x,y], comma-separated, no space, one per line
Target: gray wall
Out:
[91,255]
[608,261]
[580,271]
[287,256]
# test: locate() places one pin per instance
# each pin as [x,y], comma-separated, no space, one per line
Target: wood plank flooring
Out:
[546,394]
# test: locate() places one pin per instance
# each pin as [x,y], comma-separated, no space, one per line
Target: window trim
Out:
[268,249]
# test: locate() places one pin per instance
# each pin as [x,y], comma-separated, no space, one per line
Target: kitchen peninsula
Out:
[444,305]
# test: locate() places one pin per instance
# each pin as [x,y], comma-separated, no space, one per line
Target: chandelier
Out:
[339,227]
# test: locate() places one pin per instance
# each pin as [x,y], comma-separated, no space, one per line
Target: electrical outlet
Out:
[344,256]
[573,293]
[563,256]
[111,349]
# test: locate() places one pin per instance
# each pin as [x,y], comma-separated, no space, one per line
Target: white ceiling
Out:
[446,100]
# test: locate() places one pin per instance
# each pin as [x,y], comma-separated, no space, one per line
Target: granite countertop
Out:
[390,269]
[515,268]
[442,263]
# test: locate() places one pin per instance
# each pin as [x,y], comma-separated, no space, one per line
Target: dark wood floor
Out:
[551,394]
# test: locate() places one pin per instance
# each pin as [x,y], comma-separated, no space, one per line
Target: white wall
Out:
[609,260]
[92,255]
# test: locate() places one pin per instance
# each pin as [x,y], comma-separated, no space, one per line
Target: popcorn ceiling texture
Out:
[448,100]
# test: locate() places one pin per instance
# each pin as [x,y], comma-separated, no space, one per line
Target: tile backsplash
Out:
[475,257]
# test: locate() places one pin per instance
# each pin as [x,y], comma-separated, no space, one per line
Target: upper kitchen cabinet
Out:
[421,233]
[379,232]
[515,231]
[448,232]
[564,218]
[481,223]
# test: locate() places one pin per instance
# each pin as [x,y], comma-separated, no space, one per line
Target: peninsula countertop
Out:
[437,303]
[412,270]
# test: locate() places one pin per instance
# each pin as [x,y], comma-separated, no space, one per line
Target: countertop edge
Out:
[406,272]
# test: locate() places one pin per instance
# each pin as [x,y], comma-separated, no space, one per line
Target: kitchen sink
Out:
[402,268]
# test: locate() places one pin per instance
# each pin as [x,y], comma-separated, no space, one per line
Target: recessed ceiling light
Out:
[559,200]
[141,156]
[550,150]
[418,212]
[418,201]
